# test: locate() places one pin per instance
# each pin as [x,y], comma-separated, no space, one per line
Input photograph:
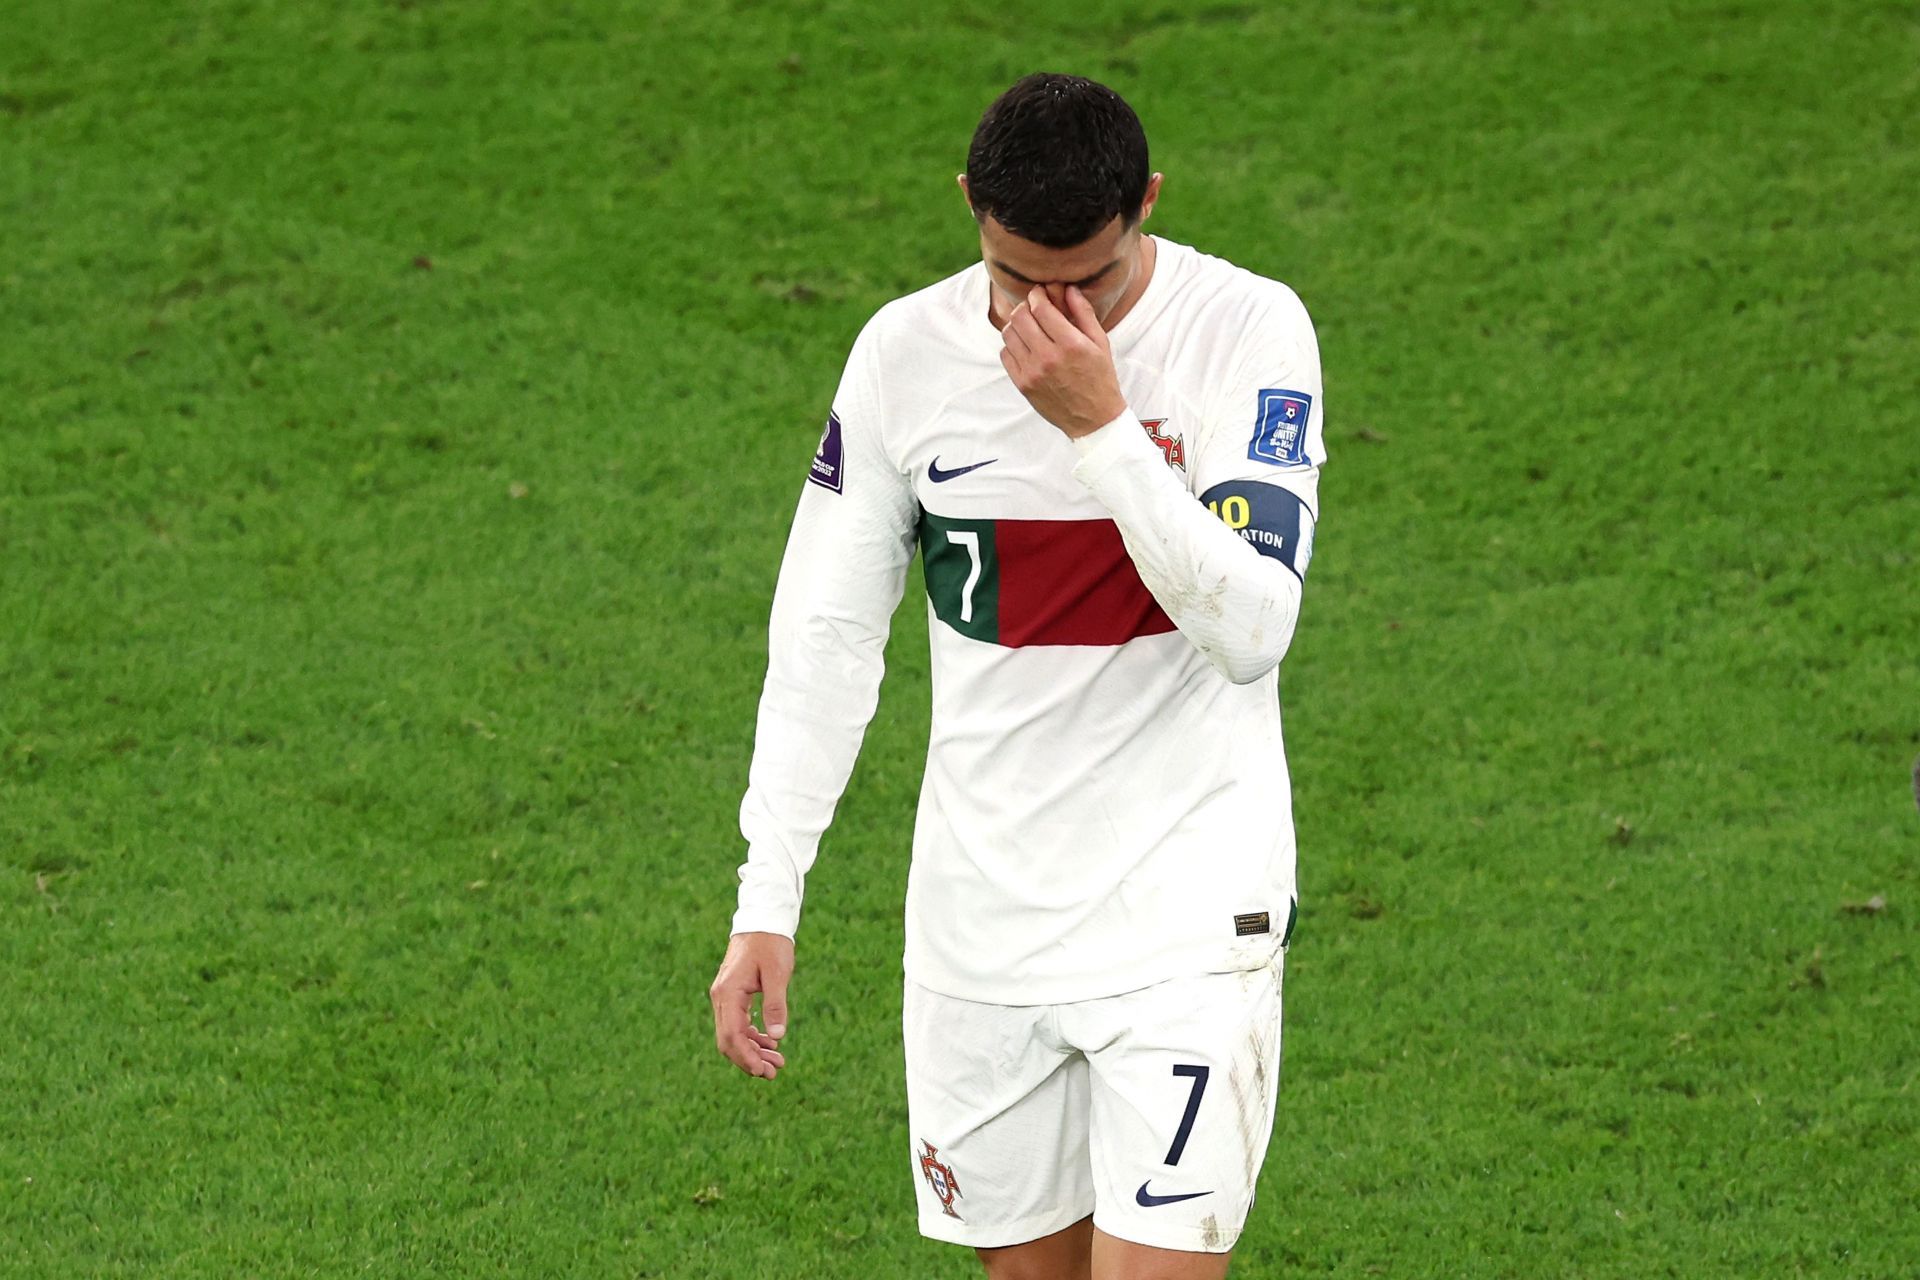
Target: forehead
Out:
[1044,265]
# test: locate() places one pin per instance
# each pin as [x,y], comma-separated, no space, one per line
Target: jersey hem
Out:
[1191,962]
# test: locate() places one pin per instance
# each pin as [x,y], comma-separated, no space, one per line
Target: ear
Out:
[961,178]
[1151,198]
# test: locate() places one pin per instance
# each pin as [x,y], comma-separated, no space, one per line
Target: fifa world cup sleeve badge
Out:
[829,460]
[940,1177]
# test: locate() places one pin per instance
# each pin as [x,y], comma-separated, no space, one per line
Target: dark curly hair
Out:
[1055,158]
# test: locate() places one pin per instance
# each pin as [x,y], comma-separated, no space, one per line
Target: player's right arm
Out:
[840,581]
[1229,569]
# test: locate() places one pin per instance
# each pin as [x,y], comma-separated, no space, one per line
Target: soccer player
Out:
[1106,448]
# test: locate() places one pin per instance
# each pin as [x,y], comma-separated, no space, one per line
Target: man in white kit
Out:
[1106,447]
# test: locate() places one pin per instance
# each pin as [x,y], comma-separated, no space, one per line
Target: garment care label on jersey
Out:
[827,471]
[1280,431]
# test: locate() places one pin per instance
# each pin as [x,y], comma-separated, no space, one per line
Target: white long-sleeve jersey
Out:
[1106,802]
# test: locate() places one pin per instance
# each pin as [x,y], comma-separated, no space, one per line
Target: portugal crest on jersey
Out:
[940,1178]
[1173,446]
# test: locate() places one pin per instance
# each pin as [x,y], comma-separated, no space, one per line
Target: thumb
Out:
[773,1004]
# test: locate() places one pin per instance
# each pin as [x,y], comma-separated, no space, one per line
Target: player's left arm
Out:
[1228,568]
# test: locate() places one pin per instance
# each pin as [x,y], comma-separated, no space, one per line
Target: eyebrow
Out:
[1078,284]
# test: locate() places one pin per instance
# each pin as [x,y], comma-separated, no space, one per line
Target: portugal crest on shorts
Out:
[940,1178]
[1175,447]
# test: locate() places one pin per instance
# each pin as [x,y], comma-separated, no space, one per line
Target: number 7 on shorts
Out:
[1199,1074]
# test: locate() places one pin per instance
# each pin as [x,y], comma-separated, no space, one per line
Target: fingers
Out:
[752,1053]
[1057,326]
[734,1034]
[1085,319]
[1020,340]
[766,1049]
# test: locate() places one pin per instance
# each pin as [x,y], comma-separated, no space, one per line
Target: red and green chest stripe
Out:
[1036,582]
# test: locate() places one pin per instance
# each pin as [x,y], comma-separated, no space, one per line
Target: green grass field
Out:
[401,410]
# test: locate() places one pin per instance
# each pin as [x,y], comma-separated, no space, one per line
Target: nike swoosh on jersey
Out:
[1147,1200]
[935,474]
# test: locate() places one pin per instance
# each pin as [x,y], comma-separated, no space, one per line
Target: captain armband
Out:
[1272,520]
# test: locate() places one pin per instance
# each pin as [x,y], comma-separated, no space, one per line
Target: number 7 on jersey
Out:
[963,573]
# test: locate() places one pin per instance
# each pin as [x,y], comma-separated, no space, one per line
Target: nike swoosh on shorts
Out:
[1147,1200]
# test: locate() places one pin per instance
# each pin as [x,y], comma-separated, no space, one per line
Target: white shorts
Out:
[1149,1110]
